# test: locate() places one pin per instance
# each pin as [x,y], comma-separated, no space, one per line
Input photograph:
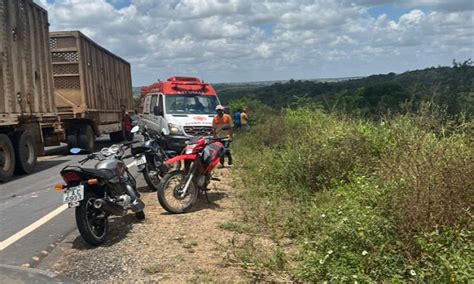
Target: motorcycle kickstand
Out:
[207,197]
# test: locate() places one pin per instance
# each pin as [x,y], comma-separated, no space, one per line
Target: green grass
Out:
[236,227]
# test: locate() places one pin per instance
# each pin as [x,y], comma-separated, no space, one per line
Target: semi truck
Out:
[63,88]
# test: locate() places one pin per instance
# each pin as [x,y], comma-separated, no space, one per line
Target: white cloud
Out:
[243,40]
[264,50]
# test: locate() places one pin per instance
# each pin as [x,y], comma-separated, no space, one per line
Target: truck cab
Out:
[183,106]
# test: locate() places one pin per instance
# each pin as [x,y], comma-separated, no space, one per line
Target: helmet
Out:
[219,107]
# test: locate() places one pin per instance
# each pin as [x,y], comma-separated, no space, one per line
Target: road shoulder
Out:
[167,248]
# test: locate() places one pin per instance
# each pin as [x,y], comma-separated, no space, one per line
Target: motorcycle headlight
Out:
[174,129]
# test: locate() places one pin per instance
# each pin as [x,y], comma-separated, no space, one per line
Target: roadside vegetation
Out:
[347,197]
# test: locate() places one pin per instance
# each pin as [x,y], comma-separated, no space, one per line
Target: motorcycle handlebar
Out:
[128,143]
[89,157]
[101,157]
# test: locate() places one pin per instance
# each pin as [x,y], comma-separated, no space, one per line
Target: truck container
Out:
[90,86]
[26,85]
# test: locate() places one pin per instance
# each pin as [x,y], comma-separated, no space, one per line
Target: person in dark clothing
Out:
[237,118]
[126,124]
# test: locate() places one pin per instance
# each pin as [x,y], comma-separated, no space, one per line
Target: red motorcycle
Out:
[178,190]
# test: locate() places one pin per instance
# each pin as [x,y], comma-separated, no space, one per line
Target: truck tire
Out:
[86,138]
[116,136]
[71,137]
[7,158]
[25,152]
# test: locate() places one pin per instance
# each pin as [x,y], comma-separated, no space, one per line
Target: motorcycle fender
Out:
[180,158]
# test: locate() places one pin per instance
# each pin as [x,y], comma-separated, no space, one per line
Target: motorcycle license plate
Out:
[73,194]
[140,161]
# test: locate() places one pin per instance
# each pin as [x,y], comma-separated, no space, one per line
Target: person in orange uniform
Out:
[222,127]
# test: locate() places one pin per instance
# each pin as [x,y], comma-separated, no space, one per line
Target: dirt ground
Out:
[164,248]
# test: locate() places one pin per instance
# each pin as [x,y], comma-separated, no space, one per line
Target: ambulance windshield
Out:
[188,104]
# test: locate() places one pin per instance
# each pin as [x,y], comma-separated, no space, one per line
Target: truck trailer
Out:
[26,85]
[90,86]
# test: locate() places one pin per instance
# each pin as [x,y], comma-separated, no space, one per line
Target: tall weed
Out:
[434,177]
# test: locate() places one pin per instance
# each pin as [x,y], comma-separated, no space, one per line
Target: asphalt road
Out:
[33,218]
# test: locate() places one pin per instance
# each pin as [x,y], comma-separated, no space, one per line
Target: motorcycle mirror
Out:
[165,131]
[75,150]
[135,129]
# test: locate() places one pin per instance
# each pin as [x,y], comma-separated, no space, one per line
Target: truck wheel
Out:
[7,158]
[25,152]
[116,136]
[86,139]
[71,137]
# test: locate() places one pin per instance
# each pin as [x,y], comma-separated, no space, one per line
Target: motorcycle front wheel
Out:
[170,189]
[93,224]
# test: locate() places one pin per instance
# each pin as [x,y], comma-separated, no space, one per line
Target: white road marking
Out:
[6,243]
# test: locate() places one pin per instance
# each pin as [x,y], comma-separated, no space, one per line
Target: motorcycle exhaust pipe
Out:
[109,207]
[138,206]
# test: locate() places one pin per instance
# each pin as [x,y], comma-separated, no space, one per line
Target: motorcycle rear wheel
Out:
[92,223]
[152,178]
[168,193]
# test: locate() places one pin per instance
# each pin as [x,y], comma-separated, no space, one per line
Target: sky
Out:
[241,41]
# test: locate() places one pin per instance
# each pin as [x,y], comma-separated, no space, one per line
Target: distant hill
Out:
[224,87]
[450,86]
[227,86]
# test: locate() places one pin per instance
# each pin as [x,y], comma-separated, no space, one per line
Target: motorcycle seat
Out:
[170,152]
[104,173]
